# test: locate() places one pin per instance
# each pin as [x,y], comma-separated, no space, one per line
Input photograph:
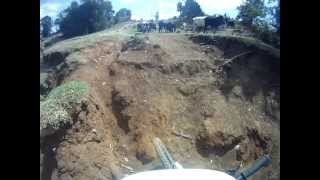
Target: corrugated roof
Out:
[200,17]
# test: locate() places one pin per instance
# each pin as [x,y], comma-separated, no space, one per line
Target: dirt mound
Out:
[162,86]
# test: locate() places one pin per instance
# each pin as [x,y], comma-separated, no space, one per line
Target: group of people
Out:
[167,27]
[147,27]
[201,23]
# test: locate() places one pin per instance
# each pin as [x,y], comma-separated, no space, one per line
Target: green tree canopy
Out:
[250,11]
[275,13]
[46,26]
[189,10]
[88,17]
[179,7]
[256,15]
[123,15]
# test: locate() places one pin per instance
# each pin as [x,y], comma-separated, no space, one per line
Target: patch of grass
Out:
[55,110]
[135,42]
[71,92]
[133,30]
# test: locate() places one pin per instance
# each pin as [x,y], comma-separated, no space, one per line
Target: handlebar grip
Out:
[262,162]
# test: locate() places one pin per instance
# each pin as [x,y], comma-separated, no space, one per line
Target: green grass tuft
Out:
[52,115]
[55,109]
[71,92]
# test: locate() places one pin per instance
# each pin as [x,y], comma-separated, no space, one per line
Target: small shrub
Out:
[56,109]
[135,43]
[69,93]
[133,30]
[52,115]
[237,25]
[265,33]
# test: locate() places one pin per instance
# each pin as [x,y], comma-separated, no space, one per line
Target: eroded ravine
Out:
[166,88]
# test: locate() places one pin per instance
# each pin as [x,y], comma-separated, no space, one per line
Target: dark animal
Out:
[213,22]
[206,23]
[167,27]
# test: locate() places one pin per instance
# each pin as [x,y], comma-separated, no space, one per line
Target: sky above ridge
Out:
[146,9]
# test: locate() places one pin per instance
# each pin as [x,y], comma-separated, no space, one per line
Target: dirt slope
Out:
[166,86]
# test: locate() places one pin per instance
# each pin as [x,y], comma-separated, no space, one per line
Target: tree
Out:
[123,15]
[157,16]
[250,11]
[46,26]
[275,13]
[88,17]
[189,10]
[262,31]
[253,14]
[74,5]
[179,7]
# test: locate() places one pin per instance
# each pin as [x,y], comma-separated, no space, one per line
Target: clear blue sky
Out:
[146,9]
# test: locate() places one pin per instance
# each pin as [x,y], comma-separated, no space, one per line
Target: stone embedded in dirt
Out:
[186,90]
[144,157]
[237,90]
[237,147]
[145,149]
[94,131]
[217,143]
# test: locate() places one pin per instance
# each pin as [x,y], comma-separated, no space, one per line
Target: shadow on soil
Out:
[49,163]
[256,73]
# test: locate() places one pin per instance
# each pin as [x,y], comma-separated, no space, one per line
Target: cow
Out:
[205,23]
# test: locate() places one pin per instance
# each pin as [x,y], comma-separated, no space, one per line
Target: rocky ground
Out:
[211,108]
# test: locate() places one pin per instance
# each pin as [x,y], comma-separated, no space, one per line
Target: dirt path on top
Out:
[178,46]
